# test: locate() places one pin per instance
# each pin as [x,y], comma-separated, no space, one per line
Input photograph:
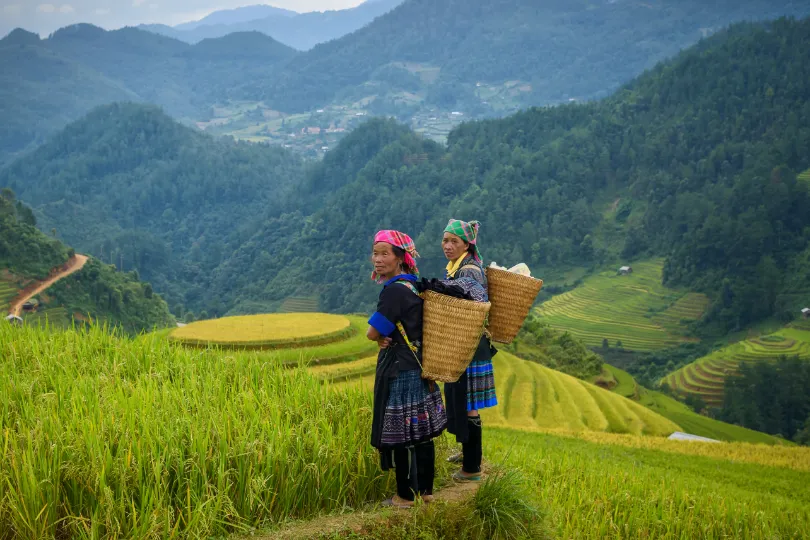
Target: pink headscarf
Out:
[403,242]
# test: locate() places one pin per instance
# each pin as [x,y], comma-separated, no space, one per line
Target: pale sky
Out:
[43,17]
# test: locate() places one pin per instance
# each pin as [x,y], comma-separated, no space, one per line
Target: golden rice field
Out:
[796,458]
[353,347]
[534,397]
[635,309]
[600,485]
[270,330]
[344,371]
[705,377]
[107,437]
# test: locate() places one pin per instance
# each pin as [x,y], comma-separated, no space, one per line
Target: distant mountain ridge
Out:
[699,169]
[420,62]
[300,31]
[44,84]
[237,15]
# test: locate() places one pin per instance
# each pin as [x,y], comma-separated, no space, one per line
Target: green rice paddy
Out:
[8,290]
[111,437]
[299,304]
[55,317]
[705,377]
[634,309]
[686,418]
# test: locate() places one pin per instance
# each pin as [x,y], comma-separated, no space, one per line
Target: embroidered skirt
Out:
[414,412]
[481,380]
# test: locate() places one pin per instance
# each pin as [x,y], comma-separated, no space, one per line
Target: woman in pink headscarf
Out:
[408,410]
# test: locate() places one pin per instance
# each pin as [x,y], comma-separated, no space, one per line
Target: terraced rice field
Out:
[535,398]
[346,371]
[53,317]
[690,421]
[347,348]
[705,377]
[805,176]
[634,309]
[8,291]
[273,331]
[299,304]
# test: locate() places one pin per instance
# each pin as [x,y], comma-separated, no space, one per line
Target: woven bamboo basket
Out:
[451,331]
[511,295]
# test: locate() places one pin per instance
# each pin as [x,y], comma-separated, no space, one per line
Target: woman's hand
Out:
[384,342]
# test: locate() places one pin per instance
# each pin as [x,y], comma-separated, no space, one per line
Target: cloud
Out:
[137,3]
[66,8]
[13,9]
[46,8]
[102,11]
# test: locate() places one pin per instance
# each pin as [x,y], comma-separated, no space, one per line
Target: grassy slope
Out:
[612,490]
[705,376]
[535,397]
[690,421]
[635,309]
[169,441]
[239,428]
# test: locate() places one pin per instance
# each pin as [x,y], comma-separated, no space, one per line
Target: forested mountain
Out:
[48,83]
[699,168]
[300,31]
[771,397]
[419,62]
[559,49]
[41,91]
[96,291]
[24,249]
[131,186]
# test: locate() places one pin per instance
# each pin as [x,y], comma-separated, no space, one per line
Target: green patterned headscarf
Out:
[467,231]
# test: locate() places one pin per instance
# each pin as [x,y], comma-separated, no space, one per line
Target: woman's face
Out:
[385,262]
[453,246]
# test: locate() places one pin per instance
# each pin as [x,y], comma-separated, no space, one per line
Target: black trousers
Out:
[415,468]
[472,450]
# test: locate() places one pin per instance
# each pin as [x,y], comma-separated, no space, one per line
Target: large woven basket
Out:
[451,332]
[511,295]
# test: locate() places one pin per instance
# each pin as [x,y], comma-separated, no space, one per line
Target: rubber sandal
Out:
[427,499]
[459,477]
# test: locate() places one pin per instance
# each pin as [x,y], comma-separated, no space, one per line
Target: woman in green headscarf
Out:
[475,389]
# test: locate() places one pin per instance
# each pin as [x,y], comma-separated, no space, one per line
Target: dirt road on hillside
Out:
[73,265]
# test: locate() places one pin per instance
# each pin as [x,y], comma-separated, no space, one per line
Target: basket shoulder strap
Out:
[410,345]
[409,285]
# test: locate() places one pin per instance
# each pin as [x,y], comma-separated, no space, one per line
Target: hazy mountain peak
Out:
[81,30]
[237,15]
[18,36]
